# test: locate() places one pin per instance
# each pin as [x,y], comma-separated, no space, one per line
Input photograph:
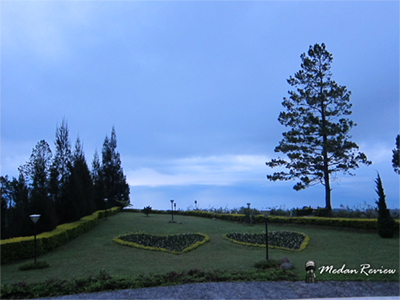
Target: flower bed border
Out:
[135,245]
[302,246]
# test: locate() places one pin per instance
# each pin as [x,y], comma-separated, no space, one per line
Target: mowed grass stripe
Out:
[95,250]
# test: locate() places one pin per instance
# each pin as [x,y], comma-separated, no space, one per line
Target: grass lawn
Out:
[95,250]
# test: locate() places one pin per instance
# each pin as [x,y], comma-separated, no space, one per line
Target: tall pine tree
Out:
[113,178]
[97,179]
[385,221]
[80,185]
[318,144]
[60,173]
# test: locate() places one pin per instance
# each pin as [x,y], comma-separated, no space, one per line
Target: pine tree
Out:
[60,174]
[97,179]
[385,220]
[113,178]
[80,185]
[396,156]
[318,145]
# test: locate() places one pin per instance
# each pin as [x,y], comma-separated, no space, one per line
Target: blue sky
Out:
[194,90]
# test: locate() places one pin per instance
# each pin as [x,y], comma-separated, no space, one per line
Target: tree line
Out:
[61,187]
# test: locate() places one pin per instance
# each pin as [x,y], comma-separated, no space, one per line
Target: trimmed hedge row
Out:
[334,222]
[22,247]
[322,221]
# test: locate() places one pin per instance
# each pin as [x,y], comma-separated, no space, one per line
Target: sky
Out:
[194,90]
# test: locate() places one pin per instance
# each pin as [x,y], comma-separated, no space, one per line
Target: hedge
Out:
[322,221]
[22,247]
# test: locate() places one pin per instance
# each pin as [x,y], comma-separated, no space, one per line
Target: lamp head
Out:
[266,212]
[34,218]
[105,199]
[172,201]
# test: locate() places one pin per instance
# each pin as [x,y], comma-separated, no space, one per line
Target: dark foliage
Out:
[105,282]
[385,220]
[112,175]
[146,210]
[60,188]
[318,144]
[396,156]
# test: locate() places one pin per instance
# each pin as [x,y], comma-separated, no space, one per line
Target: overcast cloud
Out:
[194,90]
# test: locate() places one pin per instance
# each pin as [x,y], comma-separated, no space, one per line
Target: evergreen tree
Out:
[6,205]
[396,156]
[318,145]
[385,220]
[60,173]
[21,225]
[114,180]
[80,185]
[37,170]
[98,190]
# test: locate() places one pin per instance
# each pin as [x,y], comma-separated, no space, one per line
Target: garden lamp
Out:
[34,219]
[172,210]
[105,200]
[266,214]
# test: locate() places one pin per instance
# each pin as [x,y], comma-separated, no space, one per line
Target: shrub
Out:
[146,210]
[40,264]
[267,264]
[322,212]
[305,211]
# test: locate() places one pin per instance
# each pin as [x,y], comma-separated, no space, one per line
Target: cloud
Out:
[212,170]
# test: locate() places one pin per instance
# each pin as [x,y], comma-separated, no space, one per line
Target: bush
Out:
[305,211]
[146,210]
[322,212]
[267,264]
[40,264]
[385,220]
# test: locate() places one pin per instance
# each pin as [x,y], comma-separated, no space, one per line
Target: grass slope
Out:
[95,250]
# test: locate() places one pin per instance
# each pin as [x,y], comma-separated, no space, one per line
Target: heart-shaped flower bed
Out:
[175,244]
[287,240]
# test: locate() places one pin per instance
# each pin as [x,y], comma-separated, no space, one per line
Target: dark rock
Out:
[287,266]
[284,260]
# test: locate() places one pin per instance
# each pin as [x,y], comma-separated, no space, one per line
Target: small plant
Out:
[40,264]
[146,210]
[267,264]
[385,220]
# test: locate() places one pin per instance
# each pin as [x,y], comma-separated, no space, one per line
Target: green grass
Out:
[95,250]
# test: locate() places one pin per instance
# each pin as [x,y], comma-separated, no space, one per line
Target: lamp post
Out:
[34,219]
[172,210]
[195,204]
[105,200]
[248,212]
[266,214]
